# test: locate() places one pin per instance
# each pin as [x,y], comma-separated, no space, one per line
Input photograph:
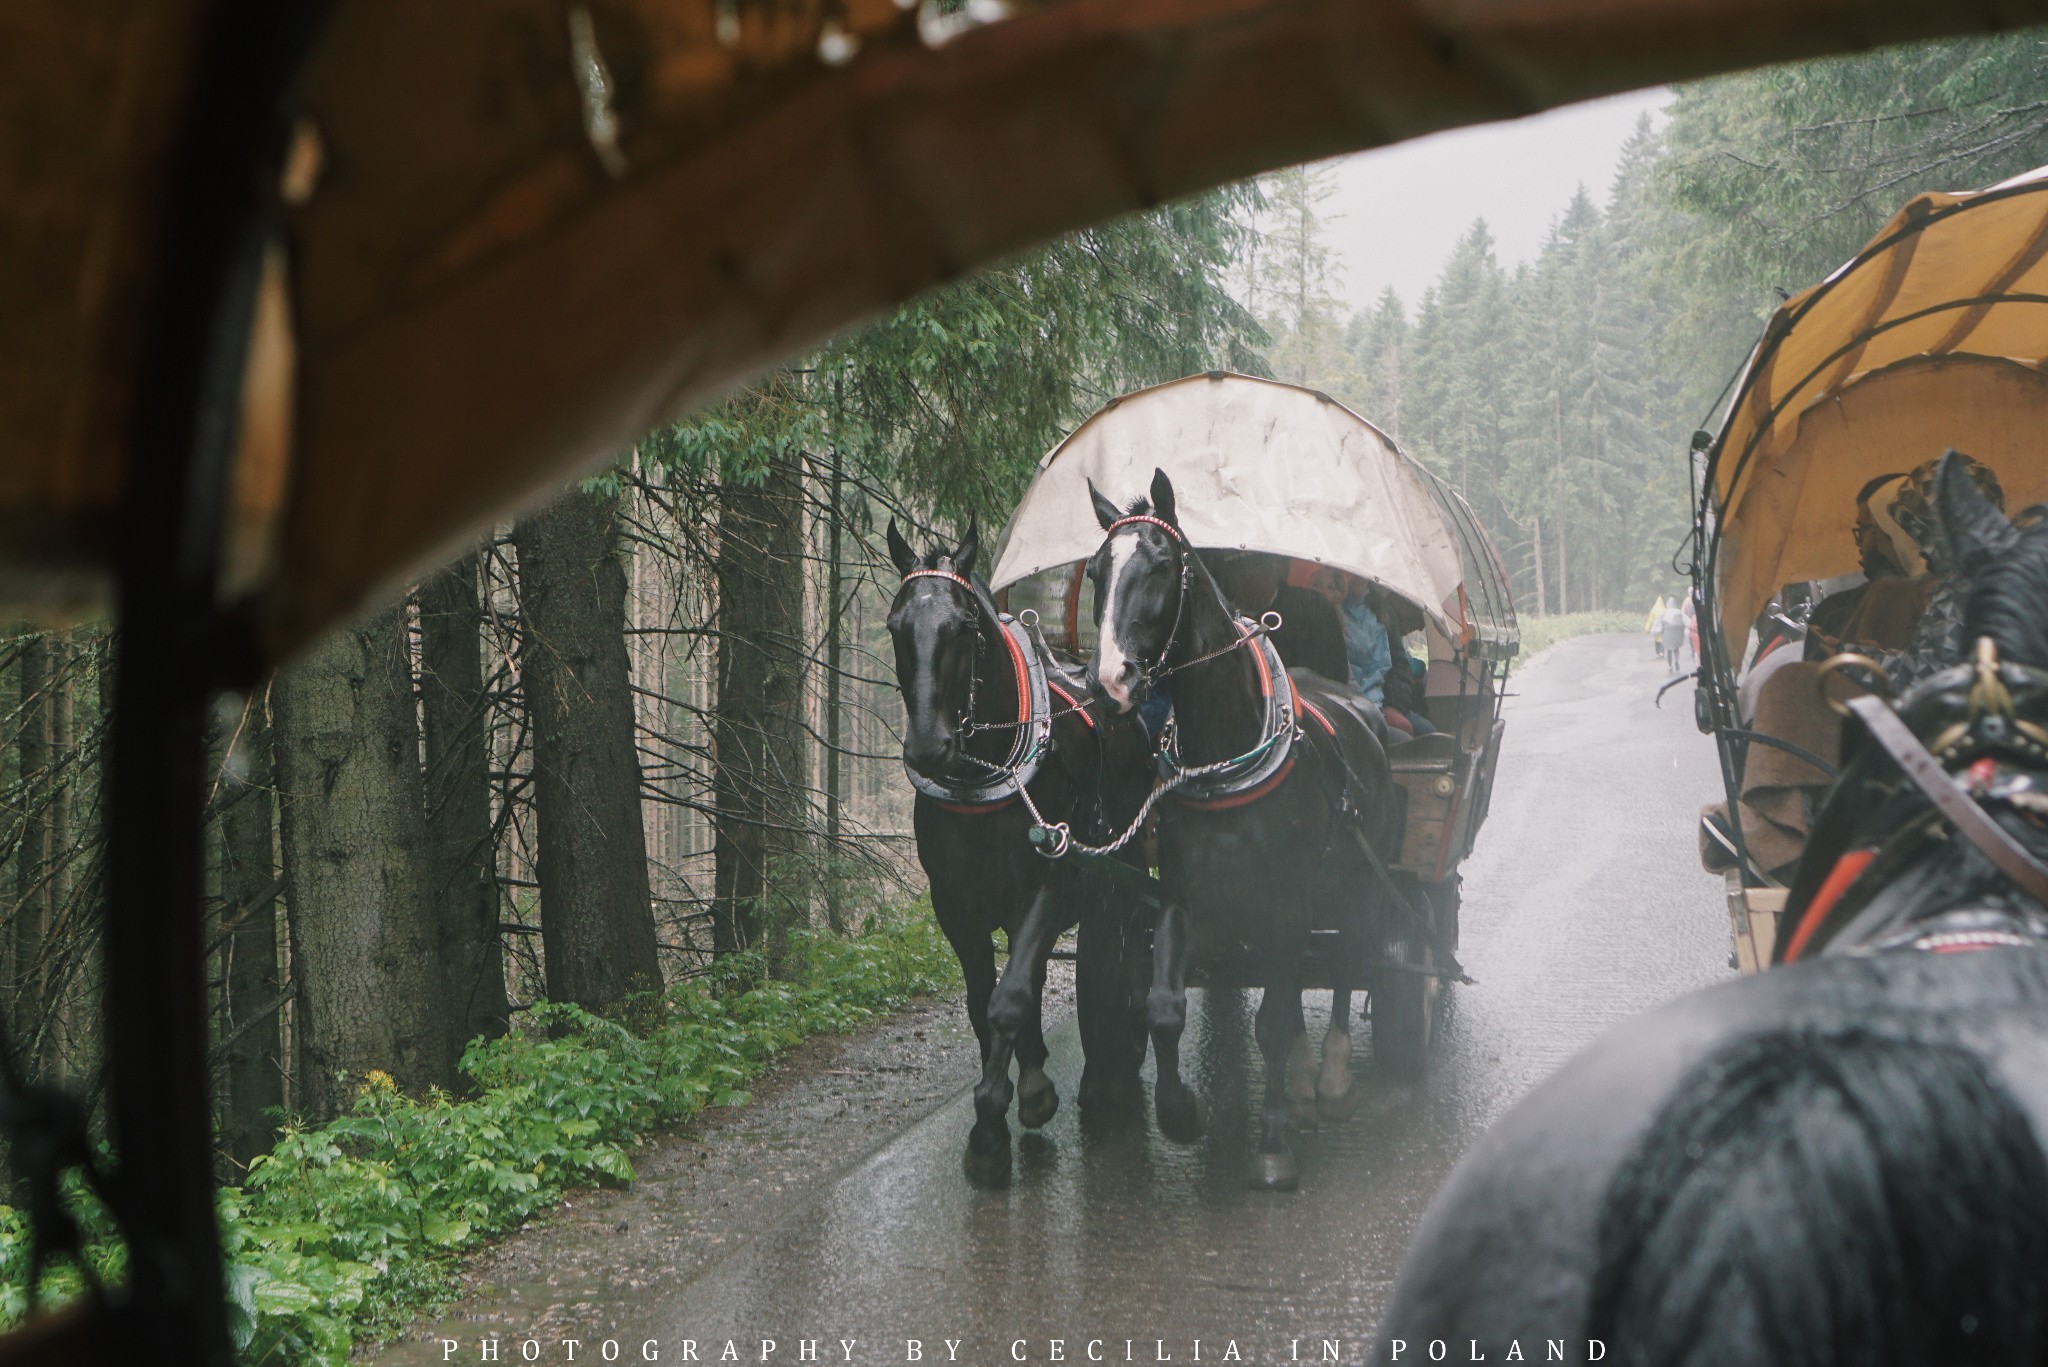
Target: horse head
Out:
[936,623]
[1141,576]
[1984,718]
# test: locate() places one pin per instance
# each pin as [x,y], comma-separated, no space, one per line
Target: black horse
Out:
[1267,838]
[1841,1160]
[988,714]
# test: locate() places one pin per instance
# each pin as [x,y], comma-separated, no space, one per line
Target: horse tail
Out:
[1838,1197]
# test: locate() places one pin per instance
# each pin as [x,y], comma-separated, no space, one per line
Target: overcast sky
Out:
[1398,211]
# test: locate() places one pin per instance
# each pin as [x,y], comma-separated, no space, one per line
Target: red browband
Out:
[939,574]
[1161,523]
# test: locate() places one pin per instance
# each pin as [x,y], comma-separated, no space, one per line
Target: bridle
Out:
[1977,728]
[1157,670]
[1032,731]
[965,721]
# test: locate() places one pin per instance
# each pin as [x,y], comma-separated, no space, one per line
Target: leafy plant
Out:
[348,1229]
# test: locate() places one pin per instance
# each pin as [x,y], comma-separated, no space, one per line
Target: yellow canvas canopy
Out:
[1933,336]
[1256,465]
[513,234]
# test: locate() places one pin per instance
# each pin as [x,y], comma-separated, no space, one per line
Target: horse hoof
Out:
[987,1164]
[1182,1116]
[1301,1111]
[1037,1099]
[1339,1107]
[1102,1089]
[1275,1172]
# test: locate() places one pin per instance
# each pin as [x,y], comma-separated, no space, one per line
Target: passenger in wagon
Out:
[1882,610]
[1310,635]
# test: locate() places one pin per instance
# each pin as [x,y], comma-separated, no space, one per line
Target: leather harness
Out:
[1032,730]
[1859,872]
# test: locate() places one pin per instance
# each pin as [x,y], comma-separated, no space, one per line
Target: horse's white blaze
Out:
[1109,650]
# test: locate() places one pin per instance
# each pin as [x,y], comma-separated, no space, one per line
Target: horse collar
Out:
[1259,770]
[1033,733]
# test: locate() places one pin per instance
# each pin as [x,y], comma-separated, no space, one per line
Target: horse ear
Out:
[969,547]
[1970,527]
[1162,497]
[899,550]
[1105,512]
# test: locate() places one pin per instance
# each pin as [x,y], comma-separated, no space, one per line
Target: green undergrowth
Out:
[1541,633]
[348,1229]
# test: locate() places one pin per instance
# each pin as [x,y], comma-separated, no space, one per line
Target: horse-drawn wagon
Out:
[1275,485]
[1931,338]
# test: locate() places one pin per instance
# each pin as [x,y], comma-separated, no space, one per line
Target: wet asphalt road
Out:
[1584,904]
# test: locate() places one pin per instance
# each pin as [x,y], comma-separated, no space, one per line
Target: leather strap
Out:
[1992,841]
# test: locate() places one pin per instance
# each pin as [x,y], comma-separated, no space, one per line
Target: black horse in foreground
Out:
[986,712]
[1262,840]
[1841,1160]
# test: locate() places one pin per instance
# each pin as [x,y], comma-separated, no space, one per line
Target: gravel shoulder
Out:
[702,1191]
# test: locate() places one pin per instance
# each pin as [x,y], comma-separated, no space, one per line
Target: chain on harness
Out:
[1058,837]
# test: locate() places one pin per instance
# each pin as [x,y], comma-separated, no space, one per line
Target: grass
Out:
[1541,633]
[347,1230]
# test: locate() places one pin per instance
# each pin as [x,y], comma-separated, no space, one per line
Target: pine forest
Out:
[639,747]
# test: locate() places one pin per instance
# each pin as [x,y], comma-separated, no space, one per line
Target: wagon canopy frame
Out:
[1261,465]
[1934,335]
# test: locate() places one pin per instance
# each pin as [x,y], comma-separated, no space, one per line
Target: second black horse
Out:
[1283,805]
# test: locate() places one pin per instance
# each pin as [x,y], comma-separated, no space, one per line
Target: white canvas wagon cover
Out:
[1256,465]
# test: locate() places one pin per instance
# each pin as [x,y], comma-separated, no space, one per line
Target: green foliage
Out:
[1559,396]
[950,400]
[348,1229]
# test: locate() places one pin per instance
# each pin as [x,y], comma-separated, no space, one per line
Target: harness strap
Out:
[1074,704]
[973,808]
[1135,518]
[1990,839]
[962,580]
[1023,685]
[1846,871]
[1243,799]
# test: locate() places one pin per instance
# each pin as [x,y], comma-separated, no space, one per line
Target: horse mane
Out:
[2009,601]
[1828,1197]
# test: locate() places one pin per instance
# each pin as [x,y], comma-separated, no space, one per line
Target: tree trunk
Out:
[757,726]
[458,795]
[357,866]
[1536,558]
[596,915]
[835,666]
[32,860]
[248,887]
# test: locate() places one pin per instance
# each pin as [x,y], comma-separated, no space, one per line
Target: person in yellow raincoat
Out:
[1654,625]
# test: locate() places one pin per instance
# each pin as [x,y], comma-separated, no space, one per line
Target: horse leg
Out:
[1181,1113]
[1014,1021]
[1336,1096]
[1281,1036]
[987,1160]
[1301,1072]
[977,955]
[1112,1039]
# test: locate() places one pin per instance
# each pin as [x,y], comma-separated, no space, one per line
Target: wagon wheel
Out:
[1403,1001]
